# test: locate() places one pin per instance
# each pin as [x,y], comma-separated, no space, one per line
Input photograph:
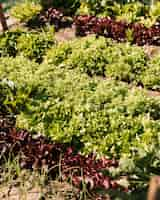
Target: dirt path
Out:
[10,22]
[55,191]
[65,34]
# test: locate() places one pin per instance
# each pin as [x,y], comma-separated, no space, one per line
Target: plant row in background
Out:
[108,59]
[135,33]
[128,11]
[117,28]
[131,11]
[90,55]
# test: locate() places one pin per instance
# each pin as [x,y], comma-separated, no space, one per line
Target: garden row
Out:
[121,31]
[70,107]
[77,95]
[98,56]
[36,152]
[129,11]
[115,28]
[90,55]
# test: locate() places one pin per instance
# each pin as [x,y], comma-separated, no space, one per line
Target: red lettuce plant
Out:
[40,152]
[117,30]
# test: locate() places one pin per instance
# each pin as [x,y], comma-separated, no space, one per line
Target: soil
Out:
[10,22]
[55,191]
[65,34]
[14,194]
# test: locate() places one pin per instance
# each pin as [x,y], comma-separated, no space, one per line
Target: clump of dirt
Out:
[65,34]
[152,51]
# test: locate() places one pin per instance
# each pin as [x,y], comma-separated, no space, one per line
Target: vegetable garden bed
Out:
[87,110]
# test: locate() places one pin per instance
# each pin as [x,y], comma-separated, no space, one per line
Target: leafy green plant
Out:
[131,12]
[129,35]
[18,69]
[57,55]
[126,62]
[150,77]
[91,61]
[8,93]
[107,117]
[8,43]
[87,55]
[16,76]
[155,11]
[97,7]
[68,105]
[33,45]
[98,56]
[25,11]
[64,103]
